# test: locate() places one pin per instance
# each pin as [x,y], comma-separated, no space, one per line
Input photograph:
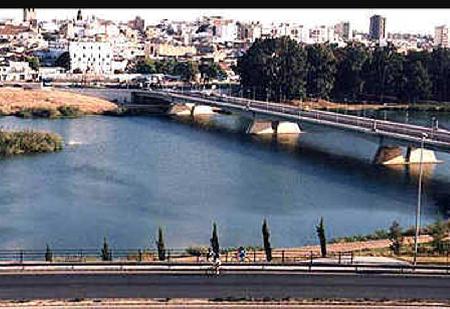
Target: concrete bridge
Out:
[273,118]
[399,143]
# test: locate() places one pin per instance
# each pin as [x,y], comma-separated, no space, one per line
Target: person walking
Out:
[217,264]
[241,254]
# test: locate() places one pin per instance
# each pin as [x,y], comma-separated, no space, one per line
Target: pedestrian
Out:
[217,264]
[241,254]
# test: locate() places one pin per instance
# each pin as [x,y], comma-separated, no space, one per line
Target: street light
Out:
[419,199]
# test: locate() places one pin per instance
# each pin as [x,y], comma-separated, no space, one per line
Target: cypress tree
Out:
[160,245]
[48,254]
[320,229]
[266,241]
[106,253]
[215,242]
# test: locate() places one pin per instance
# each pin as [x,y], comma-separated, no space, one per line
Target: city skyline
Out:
[421,21]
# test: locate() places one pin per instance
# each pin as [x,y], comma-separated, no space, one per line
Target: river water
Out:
[122,177]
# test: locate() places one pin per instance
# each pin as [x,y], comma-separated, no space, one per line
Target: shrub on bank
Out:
[197,251]
[65,111]
[28,141]
[38,112]
[70,111]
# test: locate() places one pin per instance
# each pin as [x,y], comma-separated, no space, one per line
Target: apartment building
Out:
[91,57]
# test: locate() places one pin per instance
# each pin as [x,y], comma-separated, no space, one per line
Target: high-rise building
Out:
[343,30]
[441,36]
[377,30]
[79,16]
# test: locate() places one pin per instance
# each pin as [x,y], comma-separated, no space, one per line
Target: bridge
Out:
[399,143]
[275,118]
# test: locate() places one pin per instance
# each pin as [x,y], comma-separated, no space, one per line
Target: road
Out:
[227,285]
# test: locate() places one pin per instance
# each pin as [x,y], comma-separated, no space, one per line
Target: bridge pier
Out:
[389,155]
[393,155]
[413,156]
[200,110]
[191,109]
[273,127]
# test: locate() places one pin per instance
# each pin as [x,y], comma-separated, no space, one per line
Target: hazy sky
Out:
[398,20]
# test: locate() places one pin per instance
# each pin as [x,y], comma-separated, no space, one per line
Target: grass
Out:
[28,141]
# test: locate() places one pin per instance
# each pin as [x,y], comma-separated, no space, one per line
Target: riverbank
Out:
[339,106]
[50,103]
[23,142]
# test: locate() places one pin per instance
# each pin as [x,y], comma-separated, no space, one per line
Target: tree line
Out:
[282,69]
[395,234]
[187,70]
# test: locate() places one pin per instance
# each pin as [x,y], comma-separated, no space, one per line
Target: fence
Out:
[193,256]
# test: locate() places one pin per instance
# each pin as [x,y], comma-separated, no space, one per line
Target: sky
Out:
[397,20]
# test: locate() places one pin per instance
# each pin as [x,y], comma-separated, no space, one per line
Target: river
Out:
[122,177]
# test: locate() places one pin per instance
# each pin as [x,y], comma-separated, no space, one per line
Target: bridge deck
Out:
[437,139]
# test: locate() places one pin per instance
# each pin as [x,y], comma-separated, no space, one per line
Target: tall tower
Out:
[29,15]
[79,16]
[377,30]
[441,36]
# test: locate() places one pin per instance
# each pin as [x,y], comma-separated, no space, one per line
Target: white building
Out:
[91,57]
[17,71]
[441,36]
[225,30]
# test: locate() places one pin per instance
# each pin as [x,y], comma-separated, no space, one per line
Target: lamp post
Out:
[419,199]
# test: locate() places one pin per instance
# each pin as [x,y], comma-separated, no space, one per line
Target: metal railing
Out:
[191,256]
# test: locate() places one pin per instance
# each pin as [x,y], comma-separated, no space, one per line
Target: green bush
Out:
[38,112]
[28,141]
[70,111]
[197,251]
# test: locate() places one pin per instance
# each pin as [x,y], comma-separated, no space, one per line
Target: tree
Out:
[215,242]
[186,70]
[417,81]
[106,253]
[33,62]
[160,245]
[320,229]
[274,69]
[321,71]
[211,70]
[146,66]
[396,237]
[63,61]
[349,80]
[165,66]
[48,254]
[438,231]
[383,73]
[439,71]
[266,241]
